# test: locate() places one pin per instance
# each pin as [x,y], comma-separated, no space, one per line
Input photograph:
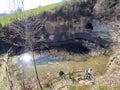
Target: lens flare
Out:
[26,57]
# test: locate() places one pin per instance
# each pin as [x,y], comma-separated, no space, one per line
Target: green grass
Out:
[7,19]
[103,87]
[78,87]
[3,55]
[98,64]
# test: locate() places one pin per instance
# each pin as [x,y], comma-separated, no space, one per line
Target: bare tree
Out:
[29,43]
[34,61]
[16,6]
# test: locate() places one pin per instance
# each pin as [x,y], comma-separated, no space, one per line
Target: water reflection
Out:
[27,58]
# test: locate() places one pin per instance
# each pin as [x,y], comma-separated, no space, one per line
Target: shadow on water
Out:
[74,48]
[69,46]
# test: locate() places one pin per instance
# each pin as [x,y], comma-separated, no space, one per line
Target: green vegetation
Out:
[110,2]
[116,88]
[71,75]
[98,64]
[61,73]
[78,87]
[7,19]
[101,87]
[3,55]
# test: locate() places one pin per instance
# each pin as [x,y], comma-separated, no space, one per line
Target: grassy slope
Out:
[7,19]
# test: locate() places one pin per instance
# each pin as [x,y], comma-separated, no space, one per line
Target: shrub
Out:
[71,74]
[61,73]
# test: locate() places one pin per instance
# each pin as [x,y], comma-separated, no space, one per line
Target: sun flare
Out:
[26,57]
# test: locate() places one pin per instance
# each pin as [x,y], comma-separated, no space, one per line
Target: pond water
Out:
[27,58]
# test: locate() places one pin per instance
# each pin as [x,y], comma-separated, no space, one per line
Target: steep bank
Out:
[59,26]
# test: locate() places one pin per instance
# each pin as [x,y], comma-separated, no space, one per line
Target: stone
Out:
[86,83]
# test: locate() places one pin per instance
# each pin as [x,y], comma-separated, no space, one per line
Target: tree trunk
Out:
[36,71]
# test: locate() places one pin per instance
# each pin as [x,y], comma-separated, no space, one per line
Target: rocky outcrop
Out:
[110,8]
[114,63]
[59,26]
[111,79]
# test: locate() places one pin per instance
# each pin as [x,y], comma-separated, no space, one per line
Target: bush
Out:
[47,85]
[61,73]
[71,74]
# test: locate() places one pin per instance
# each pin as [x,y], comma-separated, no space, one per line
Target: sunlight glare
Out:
[26,57]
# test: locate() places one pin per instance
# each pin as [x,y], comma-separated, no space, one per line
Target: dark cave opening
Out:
[89,26]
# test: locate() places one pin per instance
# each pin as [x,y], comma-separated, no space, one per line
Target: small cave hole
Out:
[89,26]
